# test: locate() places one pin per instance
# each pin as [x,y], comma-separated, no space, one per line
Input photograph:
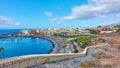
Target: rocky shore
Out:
[55,48]
[58,43]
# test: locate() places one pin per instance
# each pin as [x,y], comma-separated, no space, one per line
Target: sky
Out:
[39,14]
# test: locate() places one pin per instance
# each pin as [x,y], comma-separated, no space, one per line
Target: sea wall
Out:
[31,60]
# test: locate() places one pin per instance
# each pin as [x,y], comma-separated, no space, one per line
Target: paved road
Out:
[71,63]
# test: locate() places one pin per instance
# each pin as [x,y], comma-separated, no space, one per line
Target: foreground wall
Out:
[31,60]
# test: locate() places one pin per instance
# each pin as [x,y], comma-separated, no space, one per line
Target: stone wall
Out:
[31,60]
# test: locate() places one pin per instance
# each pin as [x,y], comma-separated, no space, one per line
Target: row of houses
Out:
[52,31]
[68,31]
[106,29]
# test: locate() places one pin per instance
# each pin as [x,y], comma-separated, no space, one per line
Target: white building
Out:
[25,32]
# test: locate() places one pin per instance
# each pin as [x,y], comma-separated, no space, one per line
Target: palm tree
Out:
[118,30]
[1,49]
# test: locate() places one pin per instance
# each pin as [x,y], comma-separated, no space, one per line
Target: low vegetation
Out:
[94,32]
[94,64]
[102,55]
[73,36]
[47,59]
[118,28]
[89,64]
[101,47]
[64,46]
[83,41]
[75,51]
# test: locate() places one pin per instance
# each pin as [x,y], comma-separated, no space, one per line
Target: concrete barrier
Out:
[31,60]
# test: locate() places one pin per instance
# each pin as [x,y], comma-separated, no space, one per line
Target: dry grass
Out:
[94,64]
[101,47]
[106,57]
[89,63]
[115,60]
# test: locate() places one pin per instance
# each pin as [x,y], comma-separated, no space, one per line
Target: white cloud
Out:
[8,22]
[117,15]
[84,22]
[94,9]
[54,19]
[17,23]
[49,14]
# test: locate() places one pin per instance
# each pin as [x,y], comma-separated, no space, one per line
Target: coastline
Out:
[58,44]
[55,48]
[54,44]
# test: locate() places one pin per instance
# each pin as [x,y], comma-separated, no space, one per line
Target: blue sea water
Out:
[7,31]
[18,46]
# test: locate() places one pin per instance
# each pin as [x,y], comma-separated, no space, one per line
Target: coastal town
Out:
[59,33]
[72,40]
[66,31]
[75,40]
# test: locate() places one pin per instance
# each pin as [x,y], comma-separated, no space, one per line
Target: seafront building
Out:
[24,32]
[52,31]
[68,31]
[63,31]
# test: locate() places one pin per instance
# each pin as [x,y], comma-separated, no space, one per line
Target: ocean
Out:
[7,31]
[19,46]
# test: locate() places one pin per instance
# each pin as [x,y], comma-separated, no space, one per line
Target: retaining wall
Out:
[31,60]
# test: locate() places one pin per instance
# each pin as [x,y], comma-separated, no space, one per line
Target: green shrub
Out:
[101,47]
[75,51]
[94,64]
[74,47]
[89,64]
[108,66]
[82,65]
[84,41]
[47,59]
[100,55]
[94,31]
[63,46]
[73,36]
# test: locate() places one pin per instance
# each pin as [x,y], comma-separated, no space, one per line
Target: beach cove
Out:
[19,46]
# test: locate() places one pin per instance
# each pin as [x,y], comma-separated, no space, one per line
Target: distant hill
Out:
[114,24]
